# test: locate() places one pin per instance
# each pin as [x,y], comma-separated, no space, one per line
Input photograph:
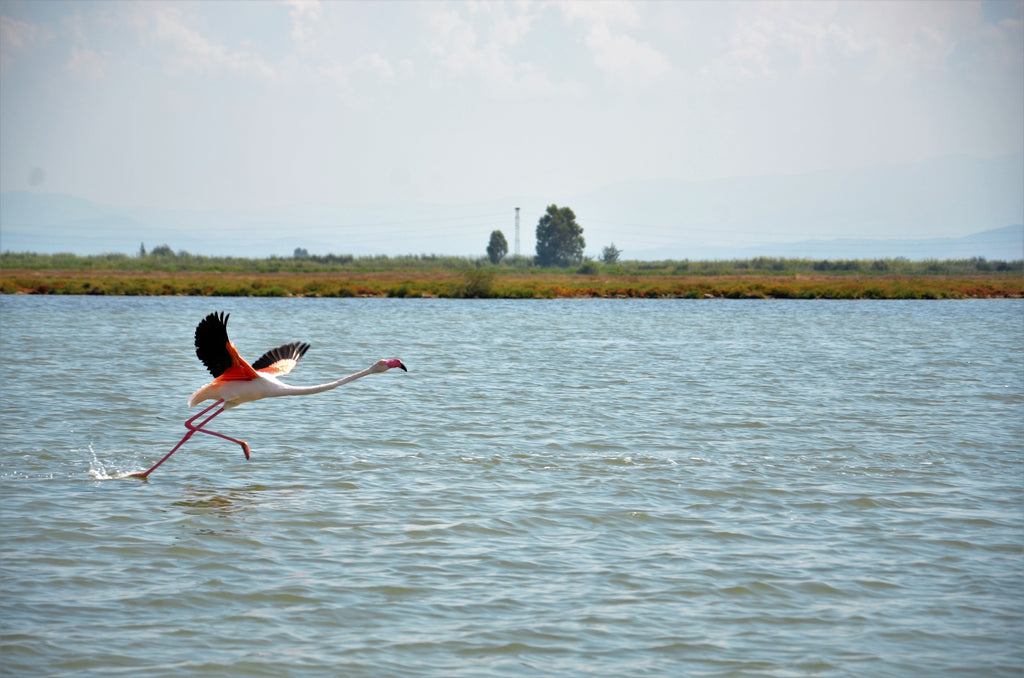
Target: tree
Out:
[610,254]
[559,238]
[497,248]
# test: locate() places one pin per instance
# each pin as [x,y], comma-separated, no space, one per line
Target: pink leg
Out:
[192,430]
[200,429]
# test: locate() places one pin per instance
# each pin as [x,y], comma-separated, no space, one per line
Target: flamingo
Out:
[236,381]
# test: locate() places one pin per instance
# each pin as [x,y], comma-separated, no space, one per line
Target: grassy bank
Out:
[164,272]
[485,282]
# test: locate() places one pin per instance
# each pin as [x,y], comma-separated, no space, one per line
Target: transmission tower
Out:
[517,231]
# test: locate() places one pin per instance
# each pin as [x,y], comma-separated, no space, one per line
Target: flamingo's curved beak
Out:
[395,362]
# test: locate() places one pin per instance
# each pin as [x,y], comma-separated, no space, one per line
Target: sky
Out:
[228,106]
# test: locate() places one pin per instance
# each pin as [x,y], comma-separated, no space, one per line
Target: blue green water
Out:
[556,488]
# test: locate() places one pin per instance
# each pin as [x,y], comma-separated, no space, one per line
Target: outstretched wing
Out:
[217,352]
[281,360]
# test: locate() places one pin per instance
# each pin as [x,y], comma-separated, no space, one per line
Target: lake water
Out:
[556,488]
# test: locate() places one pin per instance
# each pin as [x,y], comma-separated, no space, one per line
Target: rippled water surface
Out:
[556,488]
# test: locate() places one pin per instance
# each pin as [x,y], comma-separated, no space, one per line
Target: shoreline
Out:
[482,283]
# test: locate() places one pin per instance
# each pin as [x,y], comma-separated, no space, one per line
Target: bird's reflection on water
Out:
[206,501]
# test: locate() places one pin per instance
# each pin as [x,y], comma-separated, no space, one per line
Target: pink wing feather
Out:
[281,360]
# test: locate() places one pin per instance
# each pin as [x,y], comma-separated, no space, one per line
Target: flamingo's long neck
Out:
[320,388]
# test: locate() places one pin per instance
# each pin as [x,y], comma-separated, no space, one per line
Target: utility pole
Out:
[517,231]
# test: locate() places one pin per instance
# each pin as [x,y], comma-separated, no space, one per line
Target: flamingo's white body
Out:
[236,381]
[264,384]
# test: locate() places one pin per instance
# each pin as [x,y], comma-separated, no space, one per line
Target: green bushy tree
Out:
[497,248]
[559,238]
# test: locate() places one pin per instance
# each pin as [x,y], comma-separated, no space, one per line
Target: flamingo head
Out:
[385,365]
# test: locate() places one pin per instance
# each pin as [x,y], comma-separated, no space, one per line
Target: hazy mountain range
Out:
[944,208]
[997,244]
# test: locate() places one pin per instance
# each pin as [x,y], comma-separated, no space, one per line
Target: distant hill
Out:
[952,207]
[52,222]
[997,244]
[49,223]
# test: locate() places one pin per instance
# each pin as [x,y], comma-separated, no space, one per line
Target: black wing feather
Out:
[292,351]
[212,343]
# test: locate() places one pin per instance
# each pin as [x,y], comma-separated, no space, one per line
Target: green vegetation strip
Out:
[483,283]
[162,272]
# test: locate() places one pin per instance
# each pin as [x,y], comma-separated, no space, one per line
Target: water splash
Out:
[98,471]
[96,468]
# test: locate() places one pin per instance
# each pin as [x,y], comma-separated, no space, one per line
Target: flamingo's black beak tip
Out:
[393,363]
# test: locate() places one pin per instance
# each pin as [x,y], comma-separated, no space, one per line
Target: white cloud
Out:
[376,65]
[484,48]
[771,39]
[992,50]
[609,14]
[624,57]
[358,80]
[305,14]
[616,52]
[875,41]
[15,37]
[505,27]
[190,50]
[453,40]
[88,63]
